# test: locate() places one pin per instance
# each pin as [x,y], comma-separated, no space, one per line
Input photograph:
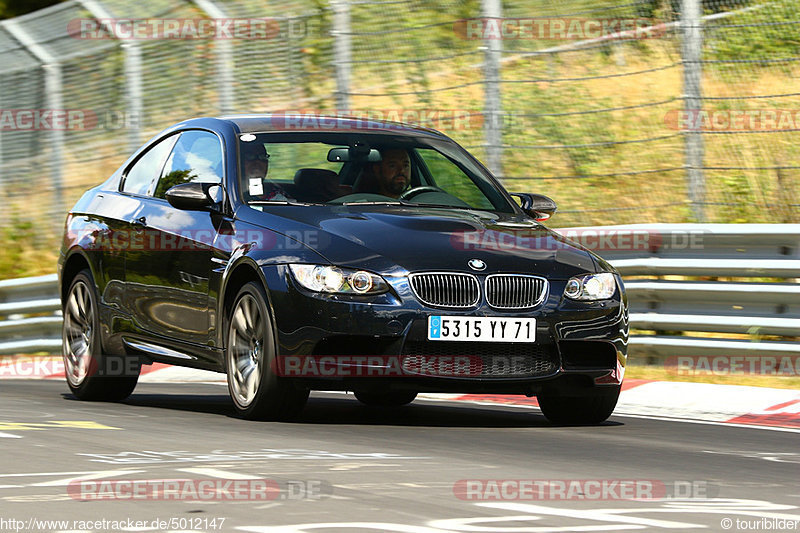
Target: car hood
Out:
[399,239]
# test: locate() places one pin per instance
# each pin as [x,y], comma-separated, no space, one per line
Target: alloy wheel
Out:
[78,333]
[246,338]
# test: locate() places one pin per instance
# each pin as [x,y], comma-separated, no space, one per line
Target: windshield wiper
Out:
[448,206]
[381,202]
[406,203]
[271,202]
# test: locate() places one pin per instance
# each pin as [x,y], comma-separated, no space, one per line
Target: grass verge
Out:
[660,373]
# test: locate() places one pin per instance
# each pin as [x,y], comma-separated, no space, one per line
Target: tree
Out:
[15,8]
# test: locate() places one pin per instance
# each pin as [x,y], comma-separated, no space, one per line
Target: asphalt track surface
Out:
[346,467]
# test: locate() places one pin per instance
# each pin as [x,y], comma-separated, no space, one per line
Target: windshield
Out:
[348,168]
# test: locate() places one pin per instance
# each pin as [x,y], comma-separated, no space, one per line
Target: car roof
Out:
[315,122]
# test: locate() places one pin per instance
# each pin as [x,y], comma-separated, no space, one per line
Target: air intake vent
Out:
[485,359]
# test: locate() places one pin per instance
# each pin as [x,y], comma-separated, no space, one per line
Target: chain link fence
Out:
[623,112]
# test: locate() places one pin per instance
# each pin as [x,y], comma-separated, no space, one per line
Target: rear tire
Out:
[580,410]
[92,375]
[258,393]
[385,399]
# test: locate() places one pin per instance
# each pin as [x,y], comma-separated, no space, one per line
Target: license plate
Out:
[486,329]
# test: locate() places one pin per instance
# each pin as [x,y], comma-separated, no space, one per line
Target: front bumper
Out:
[579,345]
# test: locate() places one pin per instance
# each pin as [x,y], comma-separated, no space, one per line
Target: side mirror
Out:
[194,196]
[537,206]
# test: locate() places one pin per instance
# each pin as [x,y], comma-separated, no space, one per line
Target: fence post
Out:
[54,95]
[295,91]
[691,52]
[3,214]
[224,59]
[133,74]
[342,52]
[493,118]
[2,166]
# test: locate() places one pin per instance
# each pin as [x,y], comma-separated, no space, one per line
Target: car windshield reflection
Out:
[344,169]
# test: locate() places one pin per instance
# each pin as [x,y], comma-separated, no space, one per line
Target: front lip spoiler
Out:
[591,373]
[559,383]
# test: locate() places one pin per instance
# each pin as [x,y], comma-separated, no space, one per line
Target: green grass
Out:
[661,373]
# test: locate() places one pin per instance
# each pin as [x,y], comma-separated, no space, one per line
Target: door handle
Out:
[140,223]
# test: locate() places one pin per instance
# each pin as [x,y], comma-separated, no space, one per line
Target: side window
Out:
[148,167]
[197,157]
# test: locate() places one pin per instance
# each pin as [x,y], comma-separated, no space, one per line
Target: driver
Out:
[392,175]
[256,166]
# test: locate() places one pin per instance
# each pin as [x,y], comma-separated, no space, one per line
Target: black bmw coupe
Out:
[298,253]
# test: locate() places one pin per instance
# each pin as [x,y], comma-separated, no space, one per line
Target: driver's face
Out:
[256,162]
[394,172]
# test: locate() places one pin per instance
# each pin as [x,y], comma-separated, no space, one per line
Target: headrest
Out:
[307,178]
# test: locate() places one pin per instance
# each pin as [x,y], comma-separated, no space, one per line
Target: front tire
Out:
[92,375]
[258,393]
[580,410]
[385,399]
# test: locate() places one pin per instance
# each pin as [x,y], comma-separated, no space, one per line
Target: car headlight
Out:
[591,287]
[332,279]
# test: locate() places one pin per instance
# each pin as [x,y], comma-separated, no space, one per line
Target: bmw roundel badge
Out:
[477,264]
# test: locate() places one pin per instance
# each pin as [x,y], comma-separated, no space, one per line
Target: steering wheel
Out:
[410,193]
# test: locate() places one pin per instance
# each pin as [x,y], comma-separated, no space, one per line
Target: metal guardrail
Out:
[30,309]
[30,315]
[755,308]
[682,313]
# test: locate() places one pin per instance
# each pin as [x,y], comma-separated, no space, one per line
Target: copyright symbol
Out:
[726,523]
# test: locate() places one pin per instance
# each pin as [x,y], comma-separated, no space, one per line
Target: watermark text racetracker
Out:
[734,365]
[764,120]
[443,119]
[129,29]
[26,367]
[67,119]
[557,28]
[390,118]
[595,239]
[198,489]
[154,240]
[378,366]
[581,489]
